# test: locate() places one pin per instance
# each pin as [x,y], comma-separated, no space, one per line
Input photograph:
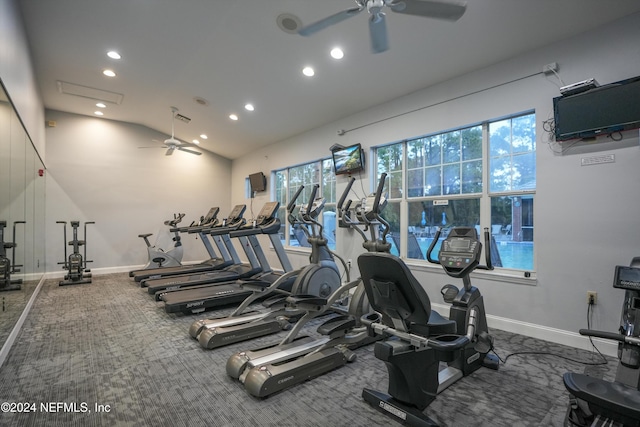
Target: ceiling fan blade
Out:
[186,150]
[450,11]
[328,21]
[378,33]
[169,151]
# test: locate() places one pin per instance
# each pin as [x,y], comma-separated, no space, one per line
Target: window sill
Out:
[515,277]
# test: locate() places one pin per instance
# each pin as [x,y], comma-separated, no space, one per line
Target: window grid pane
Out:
[309,174]
[450,165]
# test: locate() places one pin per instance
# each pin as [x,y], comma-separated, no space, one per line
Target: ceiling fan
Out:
[172,144]
[450,11]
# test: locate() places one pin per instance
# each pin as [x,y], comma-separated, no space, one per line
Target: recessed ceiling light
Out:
[109,73]
[233,117]
[337,53]
[101,105]
[203,136]
[113,55]
[308,71]
[249,107]
[98,113]
[195,141]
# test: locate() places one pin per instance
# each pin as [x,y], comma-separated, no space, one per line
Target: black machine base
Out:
[403,413]
[13,285]
[615,401]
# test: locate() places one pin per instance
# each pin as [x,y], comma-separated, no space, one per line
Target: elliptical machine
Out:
[8,266]
[158,257]
[418,338]
[75,264]
[295,359]
[595,401]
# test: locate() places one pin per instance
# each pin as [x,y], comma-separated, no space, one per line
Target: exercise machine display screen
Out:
[627,278]
[267,212]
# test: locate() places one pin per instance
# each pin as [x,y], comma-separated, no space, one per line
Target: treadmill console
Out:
[267,213]
[460,251]
[210,216]
[235,215]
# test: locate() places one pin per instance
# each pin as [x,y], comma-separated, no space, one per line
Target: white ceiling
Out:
[231,52]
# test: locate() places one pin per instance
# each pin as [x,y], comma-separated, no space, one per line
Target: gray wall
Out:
[16,71]
[96,172]
[586,218]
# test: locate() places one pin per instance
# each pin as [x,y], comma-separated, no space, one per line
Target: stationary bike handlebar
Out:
[487,250]
[610,336]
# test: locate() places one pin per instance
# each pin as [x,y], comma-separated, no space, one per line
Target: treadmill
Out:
[212,263]
[224,273]
[196,299]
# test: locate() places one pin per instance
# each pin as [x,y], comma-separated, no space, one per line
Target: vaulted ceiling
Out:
[209,58]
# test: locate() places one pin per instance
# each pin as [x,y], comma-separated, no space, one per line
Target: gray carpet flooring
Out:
[109,344]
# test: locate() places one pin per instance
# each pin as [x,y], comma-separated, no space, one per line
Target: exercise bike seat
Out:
[612,400]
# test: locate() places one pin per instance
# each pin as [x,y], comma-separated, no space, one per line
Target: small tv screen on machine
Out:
[348,159]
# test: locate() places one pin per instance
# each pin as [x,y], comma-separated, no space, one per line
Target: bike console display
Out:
[627,278]
[460,252]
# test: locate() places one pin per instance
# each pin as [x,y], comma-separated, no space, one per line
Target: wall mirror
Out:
[22,216]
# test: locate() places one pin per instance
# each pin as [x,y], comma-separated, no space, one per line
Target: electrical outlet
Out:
[592,297]
[550,68]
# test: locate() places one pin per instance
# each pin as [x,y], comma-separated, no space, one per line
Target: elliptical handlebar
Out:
[314,191]
[292,203]
[376,201]
[346,193]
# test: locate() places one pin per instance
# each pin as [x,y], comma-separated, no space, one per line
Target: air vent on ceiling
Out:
[89,92]
[183,118]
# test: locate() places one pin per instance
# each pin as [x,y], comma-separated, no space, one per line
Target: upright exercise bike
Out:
[76,263]
[595,401]
[9,266]
[158,257]
[417,338]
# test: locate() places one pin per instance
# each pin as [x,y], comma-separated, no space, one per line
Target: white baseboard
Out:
[558,336]
[107,270]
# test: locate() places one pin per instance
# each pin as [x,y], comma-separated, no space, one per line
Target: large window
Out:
[481,176]
[286,183]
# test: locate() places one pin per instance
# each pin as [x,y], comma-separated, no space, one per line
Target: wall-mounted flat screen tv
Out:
[348,159]
[600,111]
[258,182]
